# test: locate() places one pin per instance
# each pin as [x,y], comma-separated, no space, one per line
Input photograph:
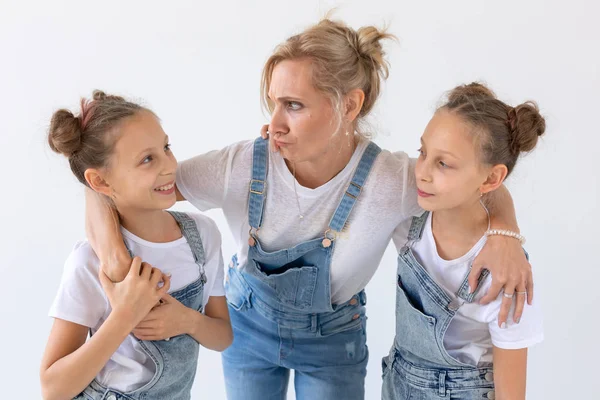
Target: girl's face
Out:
[141,172]
[303,121]
[449,170]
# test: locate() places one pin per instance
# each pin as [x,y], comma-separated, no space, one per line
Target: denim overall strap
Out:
[417,227]
[463,291]
[340,217]
[258,184]
[190,233]
[416,233]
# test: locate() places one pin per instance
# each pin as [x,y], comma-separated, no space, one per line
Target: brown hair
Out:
[503,132]
[88,139]
[343,59]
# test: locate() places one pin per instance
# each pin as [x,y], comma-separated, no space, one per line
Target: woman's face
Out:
[304,125]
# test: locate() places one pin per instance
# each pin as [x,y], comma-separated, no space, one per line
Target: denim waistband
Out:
[442,379]
[308,321]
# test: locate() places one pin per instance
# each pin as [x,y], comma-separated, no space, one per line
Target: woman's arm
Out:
[102,229]
[212,330]
[504,258]
[103,233]
[510,373]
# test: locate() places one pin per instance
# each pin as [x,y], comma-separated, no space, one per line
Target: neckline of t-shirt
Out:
[447,263]
[155,245]
[303,191]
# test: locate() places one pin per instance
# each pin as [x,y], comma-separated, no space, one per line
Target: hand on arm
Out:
[504,257]
[212,329]
[70,362]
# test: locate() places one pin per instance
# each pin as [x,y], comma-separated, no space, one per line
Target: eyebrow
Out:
[151,148]
[285,98]
[443,151]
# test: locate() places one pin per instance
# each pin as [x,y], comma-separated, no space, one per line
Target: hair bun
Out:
[526,124]
[466,93]
[99,95]
[64,136]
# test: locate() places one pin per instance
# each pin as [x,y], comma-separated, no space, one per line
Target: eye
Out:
[421,151]
[294,105]
[443,164]
[147,160]
[167,147]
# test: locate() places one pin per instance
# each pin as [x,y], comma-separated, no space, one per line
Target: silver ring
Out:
[521,293]
[167,339]
[508,296]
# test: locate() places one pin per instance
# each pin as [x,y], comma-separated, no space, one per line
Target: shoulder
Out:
[82,261]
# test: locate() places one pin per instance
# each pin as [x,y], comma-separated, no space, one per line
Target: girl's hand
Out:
[511,272]
[163,321]
[135,296]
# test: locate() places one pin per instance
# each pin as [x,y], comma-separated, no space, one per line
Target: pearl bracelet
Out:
[504,232]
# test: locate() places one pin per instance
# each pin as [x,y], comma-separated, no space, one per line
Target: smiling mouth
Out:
[165,188]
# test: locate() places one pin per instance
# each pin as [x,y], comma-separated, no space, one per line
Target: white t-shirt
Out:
[221,179]
[474,329]
[82,300]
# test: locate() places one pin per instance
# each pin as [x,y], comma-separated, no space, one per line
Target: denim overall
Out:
[281,311]
[418,366]
[175,359]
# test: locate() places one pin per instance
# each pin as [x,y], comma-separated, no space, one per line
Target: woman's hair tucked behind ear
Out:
[88,139]
[343,59]
[503,132]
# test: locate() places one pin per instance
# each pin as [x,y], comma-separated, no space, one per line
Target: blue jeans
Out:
[328,352]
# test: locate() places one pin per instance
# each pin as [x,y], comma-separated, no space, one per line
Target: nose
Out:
[422,171]
[278,125]
[169,165]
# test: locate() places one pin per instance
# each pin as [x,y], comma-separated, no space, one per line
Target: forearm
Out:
[68,376]
[510,374]
[502,209]
[212,333]
[102,228]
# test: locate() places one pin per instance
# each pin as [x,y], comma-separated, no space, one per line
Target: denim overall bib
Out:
[281,311]
[175,359]
[418,366]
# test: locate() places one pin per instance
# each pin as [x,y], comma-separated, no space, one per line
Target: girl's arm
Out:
[212,329]
[70,363]
[510,372]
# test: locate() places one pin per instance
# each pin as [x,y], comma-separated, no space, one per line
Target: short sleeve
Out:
[80,298]
[526,333]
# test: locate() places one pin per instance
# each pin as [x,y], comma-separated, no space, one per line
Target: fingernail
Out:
[470,290]
[168,274]
[503,326]
[517,320]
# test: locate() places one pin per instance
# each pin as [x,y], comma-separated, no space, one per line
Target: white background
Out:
[198,64]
